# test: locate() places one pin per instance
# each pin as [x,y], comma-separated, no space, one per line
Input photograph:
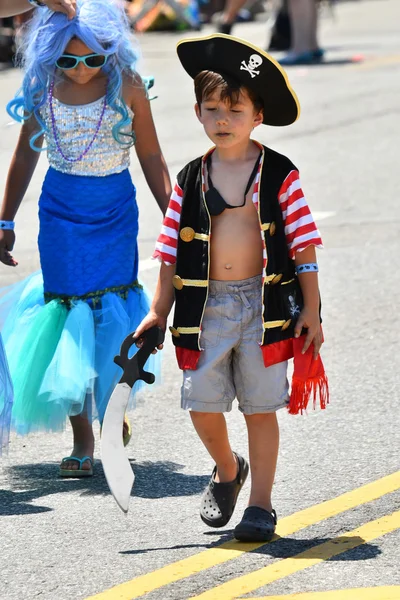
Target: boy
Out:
[246,292]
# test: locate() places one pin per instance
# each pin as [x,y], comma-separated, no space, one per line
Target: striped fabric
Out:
[300,228]
[167,241]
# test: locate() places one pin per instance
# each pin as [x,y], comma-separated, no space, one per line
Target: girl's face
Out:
[81,74]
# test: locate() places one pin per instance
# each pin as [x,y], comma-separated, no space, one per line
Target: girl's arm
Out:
[22,167]
[147,146]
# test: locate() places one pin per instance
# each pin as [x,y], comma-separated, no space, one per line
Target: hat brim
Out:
[247,64]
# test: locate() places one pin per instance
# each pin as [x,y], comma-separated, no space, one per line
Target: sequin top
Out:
[76,125]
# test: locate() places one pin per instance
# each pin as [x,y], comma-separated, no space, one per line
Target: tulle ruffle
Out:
[6,399]
[61,359]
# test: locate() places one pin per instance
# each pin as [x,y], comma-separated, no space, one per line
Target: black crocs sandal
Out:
[219,499]
[257,525]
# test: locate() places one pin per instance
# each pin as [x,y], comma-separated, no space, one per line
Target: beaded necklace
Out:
[54,127]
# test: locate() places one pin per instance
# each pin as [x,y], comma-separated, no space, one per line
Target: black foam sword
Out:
[116,465]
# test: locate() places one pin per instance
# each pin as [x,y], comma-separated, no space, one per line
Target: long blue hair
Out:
[103,27]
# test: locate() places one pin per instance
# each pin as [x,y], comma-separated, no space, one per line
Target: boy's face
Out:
[227,125]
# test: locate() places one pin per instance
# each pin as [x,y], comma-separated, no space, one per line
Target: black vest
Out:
[282,297]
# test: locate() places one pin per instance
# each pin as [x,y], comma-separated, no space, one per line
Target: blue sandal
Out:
[311,57]
[77,472]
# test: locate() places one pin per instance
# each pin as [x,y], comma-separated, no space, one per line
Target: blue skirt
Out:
[65,324]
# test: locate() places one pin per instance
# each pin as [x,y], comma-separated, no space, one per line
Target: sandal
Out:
[127,437]
[77,472]
[219,499]
[310,57]
[257,525]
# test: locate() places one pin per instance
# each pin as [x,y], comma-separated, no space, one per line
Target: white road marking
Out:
[319,215]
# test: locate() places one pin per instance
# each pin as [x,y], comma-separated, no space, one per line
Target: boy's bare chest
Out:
[232,184]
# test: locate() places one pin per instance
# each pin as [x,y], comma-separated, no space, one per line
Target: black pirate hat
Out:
[247,64]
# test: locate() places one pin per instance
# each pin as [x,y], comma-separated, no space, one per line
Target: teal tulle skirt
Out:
[6,399]
[63,326]
[61,358]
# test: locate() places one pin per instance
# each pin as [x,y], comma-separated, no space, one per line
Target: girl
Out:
[81,94]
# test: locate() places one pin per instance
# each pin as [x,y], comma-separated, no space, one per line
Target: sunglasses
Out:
[71,61]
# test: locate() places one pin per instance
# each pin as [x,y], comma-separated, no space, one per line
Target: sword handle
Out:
[133,367]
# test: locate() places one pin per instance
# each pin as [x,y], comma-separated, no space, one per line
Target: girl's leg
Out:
[211,429]
[263,432]
[83,441]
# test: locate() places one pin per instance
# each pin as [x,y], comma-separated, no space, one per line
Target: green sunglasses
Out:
[71,61]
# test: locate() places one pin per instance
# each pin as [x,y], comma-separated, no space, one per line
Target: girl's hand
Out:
[7,240]
[150,320]
[309,319]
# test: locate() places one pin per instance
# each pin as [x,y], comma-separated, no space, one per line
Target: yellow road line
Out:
[215,556]
[248,583]
[390,592]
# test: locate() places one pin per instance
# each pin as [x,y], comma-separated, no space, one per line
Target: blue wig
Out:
[103,27]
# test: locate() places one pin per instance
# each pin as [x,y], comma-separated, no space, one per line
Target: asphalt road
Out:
[338,479]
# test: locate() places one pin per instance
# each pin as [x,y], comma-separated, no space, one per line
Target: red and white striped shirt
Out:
[300,228]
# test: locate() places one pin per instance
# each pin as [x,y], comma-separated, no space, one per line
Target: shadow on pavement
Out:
[162,479]
[328,63]
[285,548]
[291,548]
[226,537]
[152,480]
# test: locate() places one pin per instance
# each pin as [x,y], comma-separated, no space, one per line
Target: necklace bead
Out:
[54,128]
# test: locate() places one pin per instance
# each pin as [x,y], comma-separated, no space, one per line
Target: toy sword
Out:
[116,465]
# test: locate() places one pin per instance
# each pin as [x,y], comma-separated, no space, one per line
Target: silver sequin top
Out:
[76,125]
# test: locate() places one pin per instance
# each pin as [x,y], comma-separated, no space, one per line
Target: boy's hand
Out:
[7,240]
[309,319]
[150,320]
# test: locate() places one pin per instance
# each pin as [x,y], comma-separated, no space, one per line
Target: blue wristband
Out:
[307,268]
[7,224]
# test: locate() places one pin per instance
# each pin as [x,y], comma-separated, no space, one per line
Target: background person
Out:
[10,8]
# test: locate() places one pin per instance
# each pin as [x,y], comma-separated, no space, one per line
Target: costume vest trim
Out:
[281,293]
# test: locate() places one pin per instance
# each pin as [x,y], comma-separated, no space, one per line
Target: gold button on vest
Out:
[276,279]
[177,282]
[187,234]
[174,332]
[286,325]
[272,228]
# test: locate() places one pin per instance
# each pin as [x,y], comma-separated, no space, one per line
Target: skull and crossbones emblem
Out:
[254,63]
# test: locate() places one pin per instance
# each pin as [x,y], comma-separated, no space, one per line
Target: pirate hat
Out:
[247,64]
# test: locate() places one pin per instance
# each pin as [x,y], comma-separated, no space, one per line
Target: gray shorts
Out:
[231,364]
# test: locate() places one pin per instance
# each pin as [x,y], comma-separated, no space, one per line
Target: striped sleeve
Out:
[167,241]
[300,228]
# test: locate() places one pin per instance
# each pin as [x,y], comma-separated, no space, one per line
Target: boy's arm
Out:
[302,237]
[22,167]
[148,148]
[163,301]
[309,316]
[165,250]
